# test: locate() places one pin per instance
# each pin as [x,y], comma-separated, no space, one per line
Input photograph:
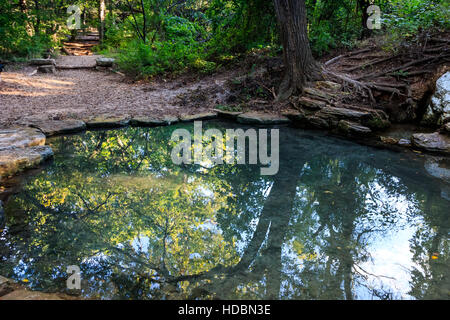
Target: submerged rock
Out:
[21,138]
[15,160]
[261,118]
[55,127]
[438,168]
[438,112]
[433,142]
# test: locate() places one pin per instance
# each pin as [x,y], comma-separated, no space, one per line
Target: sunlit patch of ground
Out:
[86,93]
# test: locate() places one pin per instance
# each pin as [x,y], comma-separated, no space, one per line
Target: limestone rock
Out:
[153,121]
[43,62]
[24,294]
[319,93]
[15,160]
[261,118]
[353,128]
[317,123]
[105,62]
[311,104]
[343,113]
[433,142]
[198,117]
[378,120]
[389,140]
[228,114]
[439,109]
[106,122]
[328,85]
[21,138]
[404,142]
[47,69]
[55,127]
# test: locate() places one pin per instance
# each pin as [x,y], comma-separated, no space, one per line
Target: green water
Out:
[339,221]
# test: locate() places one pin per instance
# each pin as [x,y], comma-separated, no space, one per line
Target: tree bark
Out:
[299,62]
[101,17]
[363,6]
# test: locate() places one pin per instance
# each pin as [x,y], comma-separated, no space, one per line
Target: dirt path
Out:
[86,93]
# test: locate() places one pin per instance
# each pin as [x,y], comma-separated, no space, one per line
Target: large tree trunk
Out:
[299,62]
[363,6]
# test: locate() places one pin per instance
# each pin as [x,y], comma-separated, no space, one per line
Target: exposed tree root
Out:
[401,68]
[369,87]
[345,80]
[329,62]
[372,63]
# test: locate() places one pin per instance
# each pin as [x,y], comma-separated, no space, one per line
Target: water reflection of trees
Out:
[141,227]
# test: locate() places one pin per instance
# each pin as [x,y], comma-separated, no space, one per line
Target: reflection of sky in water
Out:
[383,257]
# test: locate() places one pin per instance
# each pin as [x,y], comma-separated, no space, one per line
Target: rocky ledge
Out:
[21,138]
[20,149]
[14,160]
[55,127]
[261,118]
[432,142]
[12,290]
[153,121]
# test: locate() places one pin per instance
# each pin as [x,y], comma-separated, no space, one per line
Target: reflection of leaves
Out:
[114,203]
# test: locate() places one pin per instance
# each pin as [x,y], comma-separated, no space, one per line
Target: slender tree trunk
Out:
[24,9]
[37,25]
[101,17]
[299,62]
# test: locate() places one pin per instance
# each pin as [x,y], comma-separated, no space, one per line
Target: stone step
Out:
[261,118]
[15,160]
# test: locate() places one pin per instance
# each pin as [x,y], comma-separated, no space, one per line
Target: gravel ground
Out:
[84,94]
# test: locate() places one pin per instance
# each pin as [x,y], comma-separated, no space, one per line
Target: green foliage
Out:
[406,20]
[152,37]
[16,38]
[409,17]
[144,60]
